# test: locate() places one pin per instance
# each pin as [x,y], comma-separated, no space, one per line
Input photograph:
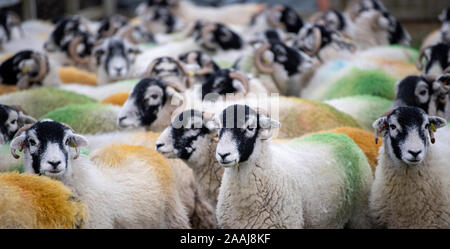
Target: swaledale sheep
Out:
[27,69]
[153,102]
[12,118]
[37,202]
[277,16]
[434,60]
[442,35]
[411,187]
[268,185]
[122,186]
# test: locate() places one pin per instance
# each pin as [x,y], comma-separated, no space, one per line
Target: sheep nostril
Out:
[414,153]
[159,145]
[118,69]
[223,156]
[54,164]
[122,119]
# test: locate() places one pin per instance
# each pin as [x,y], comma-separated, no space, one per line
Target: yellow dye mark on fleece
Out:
[5,89]
[116,99]
[123,156]
[54,203]
[73,75]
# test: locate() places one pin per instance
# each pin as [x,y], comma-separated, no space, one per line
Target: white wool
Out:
[413,196]
[287,187]
[432,39]
[36,31]
[99,92]
[364,36]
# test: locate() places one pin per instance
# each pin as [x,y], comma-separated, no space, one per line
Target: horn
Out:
[175,86]
[272,15]
[190,29]
[317,41]
[242,78]
[206,69]
[185,71]
[40,58]
[419,64]
[73,51]
[374,21]
[128,34]
[208,28]
[150,68]
[258,59]
[111,30]
[316,17]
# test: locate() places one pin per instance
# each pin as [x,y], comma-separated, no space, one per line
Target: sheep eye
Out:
[393,127]
[32,142]
[14,121]
[154,96]
[427,126]
[423,92]
[250,128]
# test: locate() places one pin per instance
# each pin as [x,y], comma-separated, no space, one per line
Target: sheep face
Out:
[10,122]
[25,69]
[312,38]
[277,16]
[437,59]
[241,132]
[444,17]
[334,20]
[414,91]
[169,69]
[216,36]
[161,20]
[49,148]
[109,26]
[224,82]
[151,103]
[200,63]
[186,138]
[407,133]
[115,57]
[65,30]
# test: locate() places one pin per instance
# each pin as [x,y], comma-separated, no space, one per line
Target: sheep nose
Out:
[223,156]
[118,69]
[414,153]
[159,145]
[122,119]
[54,163]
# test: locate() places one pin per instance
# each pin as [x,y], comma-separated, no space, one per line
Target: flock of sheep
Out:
[243,116]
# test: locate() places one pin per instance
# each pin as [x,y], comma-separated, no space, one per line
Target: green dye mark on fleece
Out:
[349,157]
[363,82]
[88,118]
[39,101]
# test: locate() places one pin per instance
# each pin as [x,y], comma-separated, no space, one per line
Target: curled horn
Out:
[317,41]
[208,28]
[206,69]
[419,64]
[272,19]
[73,51]
[185,71]
[259,59]
[150,68]
[243,79]
[175,86]
[40,58]
[18,133]
[128,34]
[190,29]
[374,21]
[111,30]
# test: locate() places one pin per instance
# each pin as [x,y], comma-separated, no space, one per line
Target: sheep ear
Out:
[177,98]
[267,127]
[379,125]
[80,141]
[437,121]
[17,144]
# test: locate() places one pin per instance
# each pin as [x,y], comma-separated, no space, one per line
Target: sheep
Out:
[170,69]
[425,92]
[101,92]
[108,27]
[269,185]
[363,108]
[114,60]
[442,35]
[159,19]
[410,189]
[334,20]
[434,60]
[12,118]
[356,7]
[71,43]
[8,21]
[39,101]
[280,68]
[122,186]
[37,202]
[27,69]
[200,63]
[276,16]
[153,102]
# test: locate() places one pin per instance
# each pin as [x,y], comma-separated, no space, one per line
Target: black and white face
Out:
[161,20]
[444,17]
[49,148]
[334,20]
[9,123]
[437,59]
[290,60]
[367,5]
[414,91]
[65,30]
[291,20]
[116,57]
[169,69]
[220,84]
[198,59]
[22,64]
[150,102]
[307,41]
[241,131]
[406,138]
[222,37]
[187,138]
